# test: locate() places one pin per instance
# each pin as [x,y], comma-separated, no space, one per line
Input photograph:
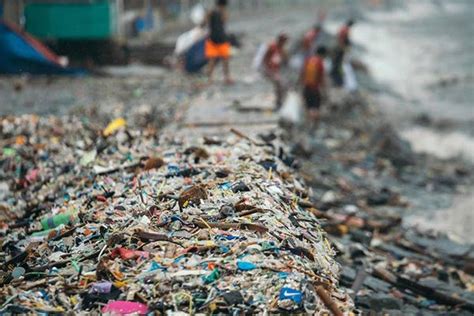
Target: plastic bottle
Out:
[59,219]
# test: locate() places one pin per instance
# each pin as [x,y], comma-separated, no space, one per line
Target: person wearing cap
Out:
[313,81]
[275,57]
[217,46]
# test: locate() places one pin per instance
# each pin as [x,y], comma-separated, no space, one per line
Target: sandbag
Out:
[186,40]
[195,57]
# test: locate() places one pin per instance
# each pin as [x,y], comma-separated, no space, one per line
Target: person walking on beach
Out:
[343,36]
[343,43]
[313,81]
[275,57]
[217,46]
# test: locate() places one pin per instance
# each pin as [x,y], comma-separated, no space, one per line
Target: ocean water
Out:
[422,52]
[422,55]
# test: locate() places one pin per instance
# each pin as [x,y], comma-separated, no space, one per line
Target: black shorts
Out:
[312,98]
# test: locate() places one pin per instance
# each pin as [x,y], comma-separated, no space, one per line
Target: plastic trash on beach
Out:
[114,126]
[156,224]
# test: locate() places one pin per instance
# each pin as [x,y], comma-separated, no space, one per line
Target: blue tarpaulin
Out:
[21,53]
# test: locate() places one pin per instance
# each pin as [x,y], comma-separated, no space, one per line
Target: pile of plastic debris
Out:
[118,220]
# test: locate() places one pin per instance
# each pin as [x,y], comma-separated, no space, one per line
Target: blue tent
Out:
[21,53]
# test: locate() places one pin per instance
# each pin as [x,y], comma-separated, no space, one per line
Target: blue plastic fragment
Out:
[427,303]
[156,266]
[101,287]
[288,293]
[227,237]
[173,169]
[224,249]
[225,186]
[66,197]
[44,294]
[175,218]
[245,265]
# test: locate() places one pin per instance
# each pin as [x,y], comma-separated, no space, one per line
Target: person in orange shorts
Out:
[217,45]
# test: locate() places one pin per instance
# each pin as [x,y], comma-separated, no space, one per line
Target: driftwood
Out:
[423,290]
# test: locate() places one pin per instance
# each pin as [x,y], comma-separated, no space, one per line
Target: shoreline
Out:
[425,90]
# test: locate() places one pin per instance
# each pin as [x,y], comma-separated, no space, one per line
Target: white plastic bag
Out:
[296,62]
[292,109]
[350,80]
[257,62]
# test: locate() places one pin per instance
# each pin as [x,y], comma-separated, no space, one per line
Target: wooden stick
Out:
[328,301]
[423,290]
[242,135]
[236,226]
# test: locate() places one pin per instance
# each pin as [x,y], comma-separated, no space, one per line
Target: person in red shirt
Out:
[275,57]
[343,43]
[313,81]
[309,39]
[343,38]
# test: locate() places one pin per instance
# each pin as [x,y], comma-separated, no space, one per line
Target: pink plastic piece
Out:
[32,175]
[126,254]
[125,308]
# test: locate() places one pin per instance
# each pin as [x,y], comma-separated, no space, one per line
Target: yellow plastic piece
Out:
[114,126]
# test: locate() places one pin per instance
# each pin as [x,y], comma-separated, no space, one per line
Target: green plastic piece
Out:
[212,277]
[9,152]
[55,221]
